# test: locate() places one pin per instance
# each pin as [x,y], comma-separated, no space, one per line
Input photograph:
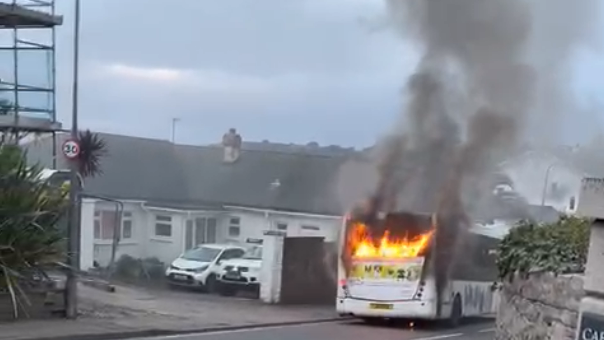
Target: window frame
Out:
[234,224]
[163,220]
[278,226]
[98,233]
[127,218]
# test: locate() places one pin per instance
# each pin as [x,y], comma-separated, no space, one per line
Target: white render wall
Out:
[87,234]
[144,243]
[272,266]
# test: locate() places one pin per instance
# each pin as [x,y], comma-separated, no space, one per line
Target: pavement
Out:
[132,311]
[346,330]
[138,313]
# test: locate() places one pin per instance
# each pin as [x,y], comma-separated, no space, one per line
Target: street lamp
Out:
[545,183]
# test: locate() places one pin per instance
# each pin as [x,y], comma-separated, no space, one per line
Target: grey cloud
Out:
[354,72]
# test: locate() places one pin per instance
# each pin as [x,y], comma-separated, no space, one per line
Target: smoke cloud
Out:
[489,70]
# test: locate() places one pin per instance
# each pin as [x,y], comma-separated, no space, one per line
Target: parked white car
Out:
[198,267]
[241,274]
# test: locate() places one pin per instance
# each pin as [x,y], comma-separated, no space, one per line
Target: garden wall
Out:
[539,307]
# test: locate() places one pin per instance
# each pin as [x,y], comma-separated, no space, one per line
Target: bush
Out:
[559,247]
[130,269]
[30,239]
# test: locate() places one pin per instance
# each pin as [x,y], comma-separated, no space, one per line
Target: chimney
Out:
[231,143]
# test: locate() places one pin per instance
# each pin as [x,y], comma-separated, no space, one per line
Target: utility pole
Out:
[73,223]
[174,121]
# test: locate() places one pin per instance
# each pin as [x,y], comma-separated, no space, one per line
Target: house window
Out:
[105,225]
[571,204]
[282,226]
[97,225]
[126,225]
[163,225]
[310,227]
[234,226]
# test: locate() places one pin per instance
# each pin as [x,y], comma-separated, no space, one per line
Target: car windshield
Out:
[201,254]
[254,253]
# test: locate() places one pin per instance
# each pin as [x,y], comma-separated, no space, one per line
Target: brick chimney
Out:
[231,143]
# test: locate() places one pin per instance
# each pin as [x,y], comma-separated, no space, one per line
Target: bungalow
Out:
[175,197]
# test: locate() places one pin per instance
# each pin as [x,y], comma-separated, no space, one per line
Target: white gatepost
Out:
[272,265]
[87,233]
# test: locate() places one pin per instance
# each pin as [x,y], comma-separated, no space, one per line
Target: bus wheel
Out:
[456,313]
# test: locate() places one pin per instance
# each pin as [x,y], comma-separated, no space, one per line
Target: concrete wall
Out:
[540,307]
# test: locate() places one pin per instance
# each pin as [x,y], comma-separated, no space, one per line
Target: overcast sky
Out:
[282,70]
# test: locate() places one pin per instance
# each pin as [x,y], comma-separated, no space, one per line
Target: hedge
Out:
[559,247]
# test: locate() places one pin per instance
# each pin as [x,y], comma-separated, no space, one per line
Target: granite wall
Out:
[542,306]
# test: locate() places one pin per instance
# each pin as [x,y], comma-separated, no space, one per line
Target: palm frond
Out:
[30,237]
[92,149]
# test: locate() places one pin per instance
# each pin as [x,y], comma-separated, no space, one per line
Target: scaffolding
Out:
[27,102]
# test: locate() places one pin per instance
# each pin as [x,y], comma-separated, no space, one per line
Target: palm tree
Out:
[30,239]
[92,149]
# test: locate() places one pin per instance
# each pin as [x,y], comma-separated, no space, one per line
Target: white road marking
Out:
[231,331]
[444,336]
[486,330]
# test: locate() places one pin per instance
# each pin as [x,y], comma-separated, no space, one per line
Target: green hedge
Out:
[559,247]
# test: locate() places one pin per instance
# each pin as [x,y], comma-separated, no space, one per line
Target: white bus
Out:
[395,277]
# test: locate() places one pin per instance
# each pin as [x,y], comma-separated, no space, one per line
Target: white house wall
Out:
[255,223]
[144,243]
[529,173]
[166,249]
[135,246]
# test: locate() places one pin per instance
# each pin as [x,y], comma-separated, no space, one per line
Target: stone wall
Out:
[539,307]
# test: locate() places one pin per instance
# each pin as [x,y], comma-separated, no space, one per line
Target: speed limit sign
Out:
[71,149]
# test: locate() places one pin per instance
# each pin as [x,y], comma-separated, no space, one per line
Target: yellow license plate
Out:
[380,306]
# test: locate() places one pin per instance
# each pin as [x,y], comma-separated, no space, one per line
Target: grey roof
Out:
[309,148]
[194,176]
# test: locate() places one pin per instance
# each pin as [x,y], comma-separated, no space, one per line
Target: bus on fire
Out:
[398,275]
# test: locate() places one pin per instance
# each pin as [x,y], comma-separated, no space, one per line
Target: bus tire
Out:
[456,312]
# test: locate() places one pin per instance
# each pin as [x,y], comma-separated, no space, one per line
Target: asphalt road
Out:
[350,330]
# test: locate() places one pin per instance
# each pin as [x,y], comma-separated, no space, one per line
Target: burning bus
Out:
[405,265]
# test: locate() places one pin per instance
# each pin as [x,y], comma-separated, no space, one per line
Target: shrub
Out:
[130,269]
[559,247]
[30,239]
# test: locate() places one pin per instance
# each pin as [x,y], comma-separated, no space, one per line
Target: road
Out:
[350,330]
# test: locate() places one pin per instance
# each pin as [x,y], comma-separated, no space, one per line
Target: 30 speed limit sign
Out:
[71,149]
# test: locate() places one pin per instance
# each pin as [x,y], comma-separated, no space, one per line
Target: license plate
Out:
[180,277]
[380,306]
[232,276]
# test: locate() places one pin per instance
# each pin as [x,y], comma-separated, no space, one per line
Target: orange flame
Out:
[364,247]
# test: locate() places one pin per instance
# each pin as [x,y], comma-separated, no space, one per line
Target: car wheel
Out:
[211,283]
